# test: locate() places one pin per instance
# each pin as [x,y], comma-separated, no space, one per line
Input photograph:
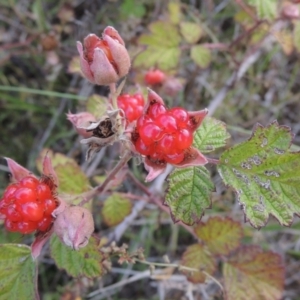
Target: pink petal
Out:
[104,72]
[113,33]
[48,170]
[119,54]
[18,172]
[85,67]
[192,157]
[290,11]
[80,121]
[39,242]
[196,118]
[153,169]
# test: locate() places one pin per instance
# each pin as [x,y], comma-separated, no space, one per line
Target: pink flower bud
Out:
[80,121]
[290,11]
[104,60]
[74,226]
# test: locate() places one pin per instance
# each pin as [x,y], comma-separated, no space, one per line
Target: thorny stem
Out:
[101,188]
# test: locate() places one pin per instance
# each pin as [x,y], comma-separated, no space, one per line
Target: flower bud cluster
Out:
[104,60]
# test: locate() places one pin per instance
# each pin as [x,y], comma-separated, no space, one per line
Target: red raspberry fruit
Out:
[132,105]
[163,135]
[154,77]
[28,205]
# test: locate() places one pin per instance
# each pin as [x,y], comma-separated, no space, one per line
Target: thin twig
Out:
[213,279]
[139,184]
[137,277]
[101,188]
[177,266]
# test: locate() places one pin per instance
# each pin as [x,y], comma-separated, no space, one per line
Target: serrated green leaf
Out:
[18,272]
[212,134]
[188,194]
[265,175]
[266,9]
[162,47]
[253,274]
[115,209]
[174,12]
[85,262]
[201,56]
[296,35]
[97,105]
[198,257]
[221,236]
[192,32]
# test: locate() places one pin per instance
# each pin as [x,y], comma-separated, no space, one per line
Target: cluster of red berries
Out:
[163,135]
[132,105]
[28,206]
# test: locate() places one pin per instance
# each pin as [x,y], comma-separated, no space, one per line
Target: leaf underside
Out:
[198,257]
[221,236]
[252,274]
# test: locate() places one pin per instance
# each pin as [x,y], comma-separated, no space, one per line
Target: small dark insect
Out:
[104,129]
